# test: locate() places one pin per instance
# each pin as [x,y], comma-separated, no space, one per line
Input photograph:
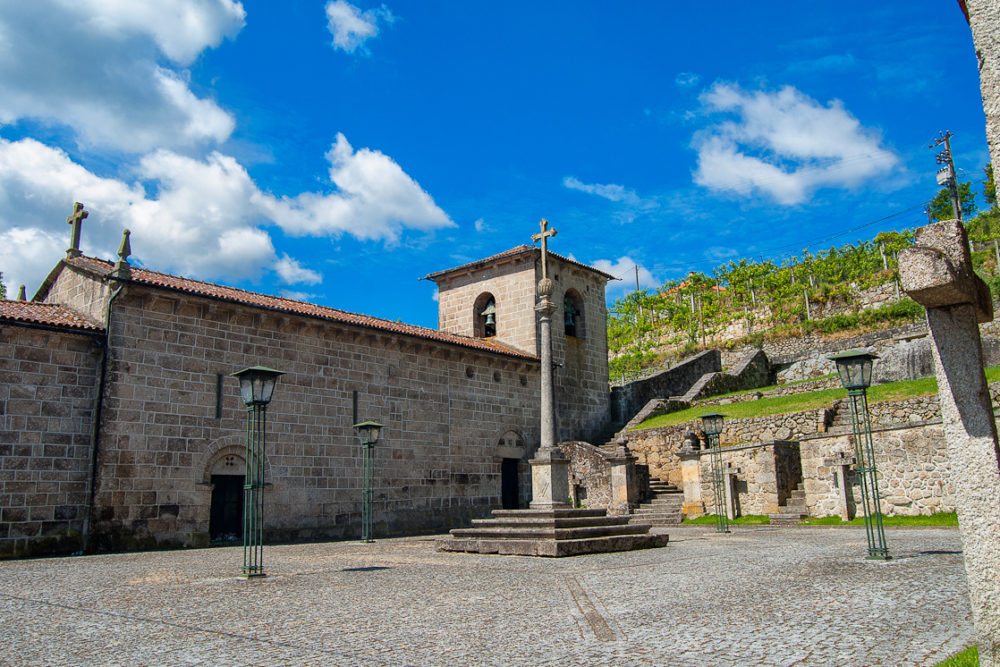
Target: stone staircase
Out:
[664,507]
[554,533]
[841,417]
[794,509]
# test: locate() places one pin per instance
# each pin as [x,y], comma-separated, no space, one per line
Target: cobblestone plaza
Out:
[760,596]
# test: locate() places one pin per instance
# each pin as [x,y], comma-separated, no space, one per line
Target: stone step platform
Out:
[532,532]
[552,533]
[786,519]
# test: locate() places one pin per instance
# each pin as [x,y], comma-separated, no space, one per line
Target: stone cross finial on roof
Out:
[543,236]
[122,268]
[76,220]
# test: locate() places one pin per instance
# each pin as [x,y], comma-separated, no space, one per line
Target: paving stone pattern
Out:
[760,596]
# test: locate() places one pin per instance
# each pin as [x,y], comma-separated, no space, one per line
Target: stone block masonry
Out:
[437,463]
[48,396]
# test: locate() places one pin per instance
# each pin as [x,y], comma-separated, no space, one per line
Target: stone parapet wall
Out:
[48,395]
[628,400]
[592,483]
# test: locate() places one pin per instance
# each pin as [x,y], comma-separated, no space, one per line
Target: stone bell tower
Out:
[494,298]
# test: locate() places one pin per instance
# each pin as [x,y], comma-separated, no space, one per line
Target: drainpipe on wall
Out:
[95,431]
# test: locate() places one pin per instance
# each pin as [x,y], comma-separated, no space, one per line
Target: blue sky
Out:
[338,151]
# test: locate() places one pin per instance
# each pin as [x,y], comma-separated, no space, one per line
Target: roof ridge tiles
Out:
[283,304]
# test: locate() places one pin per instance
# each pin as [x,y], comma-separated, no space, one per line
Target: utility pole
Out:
[946,174]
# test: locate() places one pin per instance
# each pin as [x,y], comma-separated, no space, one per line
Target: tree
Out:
[989,187]
[3,290]
[941,204]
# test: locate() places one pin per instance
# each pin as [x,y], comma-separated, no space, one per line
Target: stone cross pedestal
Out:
[937,273]
[549,468]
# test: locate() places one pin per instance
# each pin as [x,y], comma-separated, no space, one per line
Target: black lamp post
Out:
[855,369]
[711,423]
[368,434]
[256,388]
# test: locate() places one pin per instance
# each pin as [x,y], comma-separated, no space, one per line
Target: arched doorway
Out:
[226,476]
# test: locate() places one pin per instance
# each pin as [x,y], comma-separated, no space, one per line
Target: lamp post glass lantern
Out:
[368,433]
[855,370]
[256,389]
[711,423]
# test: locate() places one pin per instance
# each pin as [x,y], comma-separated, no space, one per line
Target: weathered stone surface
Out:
[968,420]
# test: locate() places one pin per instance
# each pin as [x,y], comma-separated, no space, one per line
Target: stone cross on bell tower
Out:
[79,214]
[549,468]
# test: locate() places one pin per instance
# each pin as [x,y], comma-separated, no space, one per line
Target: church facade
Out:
[121,427]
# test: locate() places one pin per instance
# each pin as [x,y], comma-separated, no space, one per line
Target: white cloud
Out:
[297,296]
[481,226]
[292,272]
[375,200]
[784,144]
[351,27]
[687,79]
[204,219]
[101,68]
[612,192]
[624,268]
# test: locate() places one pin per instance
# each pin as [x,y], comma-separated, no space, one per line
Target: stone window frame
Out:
[479,329]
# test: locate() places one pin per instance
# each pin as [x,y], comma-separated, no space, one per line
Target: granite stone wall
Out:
[173,420]
[913,471]
[768,472]
[581,378]
[628,400]
[48,395]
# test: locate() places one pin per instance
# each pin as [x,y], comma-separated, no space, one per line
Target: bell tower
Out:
[494,298]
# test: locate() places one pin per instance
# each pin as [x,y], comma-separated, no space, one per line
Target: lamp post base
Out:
[252,575]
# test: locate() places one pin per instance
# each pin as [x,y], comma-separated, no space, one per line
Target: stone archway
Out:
[223,470]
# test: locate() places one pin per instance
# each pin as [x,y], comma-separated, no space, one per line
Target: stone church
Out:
[120,426]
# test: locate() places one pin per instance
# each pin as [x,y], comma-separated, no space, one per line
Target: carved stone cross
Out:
[543,236]
[76,220]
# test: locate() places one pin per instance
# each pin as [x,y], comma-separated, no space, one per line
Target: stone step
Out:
[553,548]
[568,513]
[552,522]
[786,519]
[519,532]
[676,500]
[663,520]
[792,508]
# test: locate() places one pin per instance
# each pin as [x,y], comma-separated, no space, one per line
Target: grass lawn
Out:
[967,658]
[813,400]
[939,519]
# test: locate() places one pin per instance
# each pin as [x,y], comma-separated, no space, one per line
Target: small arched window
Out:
[573,316]
[484,316]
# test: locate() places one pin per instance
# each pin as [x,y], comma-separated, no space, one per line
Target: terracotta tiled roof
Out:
[278,303]
[513,252]
[46,314]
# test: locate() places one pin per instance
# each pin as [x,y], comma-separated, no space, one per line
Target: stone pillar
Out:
[937,273]
[840,464]
[549,468]
[984,21]
[621,500]
[691,480]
